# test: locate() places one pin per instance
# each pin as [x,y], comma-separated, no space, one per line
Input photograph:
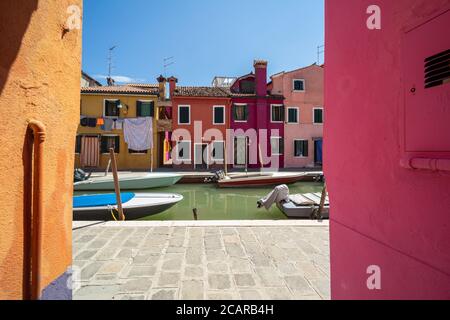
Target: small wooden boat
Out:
[300,206]
[101,207]
[129,182]
[259,179]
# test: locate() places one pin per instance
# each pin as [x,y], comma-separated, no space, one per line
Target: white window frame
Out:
[271,112]
[298,115]
[302,156]
[271,146]
[212,148]
[108,135]
[314,116]
[190,152]
[224,116]
[179,113]
[293,85]
[104,109]
[241,104]
[154,108]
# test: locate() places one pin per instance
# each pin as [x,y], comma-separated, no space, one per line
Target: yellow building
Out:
[114,104]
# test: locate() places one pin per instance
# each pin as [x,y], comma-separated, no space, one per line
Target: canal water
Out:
[213,203]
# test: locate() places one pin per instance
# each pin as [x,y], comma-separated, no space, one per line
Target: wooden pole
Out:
[322,200]
[107,167]
[116,184]
[151,159]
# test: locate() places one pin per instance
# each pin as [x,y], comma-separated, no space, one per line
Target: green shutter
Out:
[246,112]
[152,109]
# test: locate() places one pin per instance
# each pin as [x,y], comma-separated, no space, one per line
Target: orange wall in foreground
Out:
[40,80]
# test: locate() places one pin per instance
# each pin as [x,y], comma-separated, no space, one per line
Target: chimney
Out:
[172,85]
[260,77]
[162,87]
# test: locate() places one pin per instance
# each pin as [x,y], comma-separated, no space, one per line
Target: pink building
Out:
[303,129]
[254,109]
[387,152]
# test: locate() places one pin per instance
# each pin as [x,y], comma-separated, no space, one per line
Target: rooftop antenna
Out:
[320,50]
[167,62]
[110,60]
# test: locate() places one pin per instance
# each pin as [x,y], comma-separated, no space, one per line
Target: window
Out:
[293,116]
[277,144]
[247,86]
[78,144]
[277,113]
[137,152]
[219,115]
[111,109]
[183,150]
[318,115]
[145,109]
[300,148]
[240,112]
[108,142]
[217,153]
[184,115]
[299,85]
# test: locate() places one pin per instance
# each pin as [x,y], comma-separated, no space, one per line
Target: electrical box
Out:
[426,75]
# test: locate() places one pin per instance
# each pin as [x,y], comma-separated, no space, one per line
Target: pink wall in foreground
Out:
[305,102]
[382,214]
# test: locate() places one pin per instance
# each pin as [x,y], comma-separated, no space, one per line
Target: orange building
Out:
[201,116]
[39,99]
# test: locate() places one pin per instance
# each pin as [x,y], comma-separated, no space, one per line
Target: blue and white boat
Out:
[103,207]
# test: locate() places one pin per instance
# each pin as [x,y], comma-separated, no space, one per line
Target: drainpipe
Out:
[38,131]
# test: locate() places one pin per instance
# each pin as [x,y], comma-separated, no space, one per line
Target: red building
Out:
[201,117]
[387,151]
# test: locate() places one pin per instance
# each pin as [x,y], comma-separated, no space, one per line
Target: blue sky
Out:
[205,37]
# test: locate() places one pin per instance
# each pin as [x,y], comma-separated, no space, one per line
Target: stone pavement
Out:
[147,260]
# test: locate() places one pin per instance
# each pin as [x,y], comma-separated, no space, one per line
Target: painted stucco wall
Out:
[306,101]
[40,80]
[259,118]
[382,214]
[201,111]
[92,106]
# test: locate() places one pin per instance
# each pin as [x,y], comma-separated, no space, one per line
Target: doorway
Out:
[240,151]
[318,151]
[200,156]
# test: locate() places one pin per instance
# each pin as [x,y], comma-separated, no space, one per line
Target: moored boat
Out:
[260,179]
[297,206]
[103,207]
[129,182]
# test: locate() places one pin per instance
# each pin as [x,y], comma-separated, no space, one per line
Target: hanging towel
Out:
[138,133]
[118,124]
[108,124]
[90,152]
[92,122]
[100,122]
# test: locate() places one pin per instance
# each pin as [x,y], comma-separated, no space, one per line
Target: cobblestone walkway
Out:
[195,263]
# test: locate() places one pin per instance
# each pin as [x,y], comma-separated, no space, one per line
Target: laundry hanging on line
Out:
[138,133]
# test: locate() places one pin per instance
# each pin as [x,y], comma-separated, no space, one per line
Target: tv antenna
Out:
[320,51]
[110,56]
[167,62]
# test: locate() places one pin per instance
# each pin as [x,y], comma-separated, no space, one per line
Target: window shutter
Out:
[138,108]
[152,109]
[246,112]
[305,149]
[283,114]
[234,112]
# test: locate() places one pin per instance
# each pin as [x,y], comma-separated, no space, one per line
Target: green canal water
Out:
[213,203]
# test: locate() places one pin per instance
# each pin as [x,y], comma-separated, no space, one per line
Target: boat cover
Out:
[100,200]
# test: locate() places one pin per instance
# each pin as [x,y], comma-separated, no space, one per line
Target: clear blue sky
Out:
[206,37]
